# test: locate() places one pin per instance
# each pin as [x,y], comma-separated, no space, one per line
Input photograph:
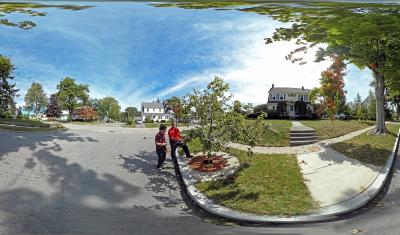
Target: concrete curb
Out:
[320,214]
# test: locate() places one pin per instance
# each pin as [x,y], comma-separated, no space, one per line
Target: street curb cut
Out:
[320,214]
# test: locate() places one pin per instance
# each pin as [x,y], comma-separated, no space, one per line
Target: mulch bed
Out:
[197,163]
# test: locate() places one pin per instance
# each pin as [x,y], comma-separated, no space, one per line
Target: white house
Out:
[288,97]
[64,115]
[155,111]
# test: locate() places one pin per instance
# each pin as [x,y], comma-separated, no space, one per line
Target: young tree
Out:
[109,107]
[7,89]
[70,93]
[35,99]
[53,107]
[218,123]
[331,93]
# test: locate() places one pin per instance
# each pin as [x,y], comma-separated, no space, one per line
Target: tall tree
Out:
[175,104]
[237,106]
[53,107]
[70,93]
[109,107]
[35,99]
[131,112]
[7,89]
[94,103]
[331,92]
[366,35]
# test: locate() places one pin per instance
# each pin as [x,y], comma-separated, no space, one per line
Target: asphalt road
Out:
[102,180]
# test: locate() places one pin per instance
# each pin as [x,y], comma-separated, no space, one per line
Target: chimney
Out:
[272,85]
[302,88]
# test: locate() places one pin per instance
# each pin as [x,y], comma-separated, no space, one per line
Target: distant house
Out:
[64,115]
[284,99]
[155,111]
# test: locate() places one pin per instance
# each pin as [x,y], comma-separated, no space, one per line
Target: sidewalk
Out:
[337,183]
[333,178]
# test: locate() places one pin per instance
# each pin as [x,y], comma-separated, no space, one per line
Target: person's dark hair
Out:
[162,127]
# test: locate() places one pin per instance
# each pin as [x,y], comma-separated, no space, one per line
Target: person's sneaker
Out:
[158,166]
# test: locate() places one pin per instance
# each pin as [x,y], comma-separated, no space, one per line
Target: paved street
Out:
[101,180]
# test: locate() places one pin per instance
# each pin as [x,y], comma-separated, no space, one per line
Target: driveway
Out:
[101,180]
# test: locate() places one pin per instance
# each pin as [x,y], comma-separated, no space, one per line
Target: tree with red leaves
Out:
[331,93]
[86,113]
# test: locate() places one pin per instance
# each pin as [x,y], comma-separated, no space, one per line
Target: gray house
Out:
[288,97]
[155,111]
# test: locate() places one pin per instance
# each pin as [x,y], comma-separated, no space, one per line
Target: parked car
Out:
[139,122]
[342,116]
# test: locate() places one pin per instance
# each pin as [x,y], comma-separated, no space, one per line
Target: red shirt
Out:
[160,138]
[174,134]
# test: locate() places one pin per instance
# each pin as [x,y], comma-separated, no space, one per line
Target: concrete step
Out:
[303,142]
[301,134]
[302,131]
[302,138]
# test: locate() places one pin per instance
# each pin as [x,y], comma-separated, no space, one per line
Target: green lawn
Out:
[96,122]
[133,125]
[23,122]
[369,148]
[279,136]
[269,184]
[157,124]
[325,129]
[152,125]
[29,129]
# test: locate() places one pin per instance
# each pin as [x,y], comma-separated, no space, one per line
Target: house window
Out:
[301,97]
[291,108]
[147,109]
[273,107]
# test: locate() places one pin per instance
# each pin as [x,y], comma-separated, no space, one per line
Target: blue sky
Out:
[136,52]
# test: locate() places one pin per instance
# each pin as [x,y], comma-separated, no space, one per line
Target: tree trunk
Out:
[380,127]
[70,111]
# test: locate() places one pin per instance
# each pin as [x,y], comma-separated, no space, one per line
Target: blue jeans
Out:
[161,153]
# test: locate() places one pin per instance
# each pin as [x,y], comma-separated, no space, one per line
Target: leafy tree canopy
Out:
[30,9]
[218,122]
[109,107]
[35,98]
[70,93]
[53,107]
[7,89]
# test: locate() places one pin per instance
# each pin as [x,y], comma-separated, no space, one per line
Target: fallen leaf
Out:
[354,231]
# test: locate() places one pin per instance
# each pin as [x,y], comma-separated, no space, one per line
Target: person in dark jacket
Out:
[161,145]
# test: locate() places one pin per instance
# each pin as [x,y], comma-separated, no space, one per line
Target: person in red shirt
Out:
[161,145]
[176,141]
